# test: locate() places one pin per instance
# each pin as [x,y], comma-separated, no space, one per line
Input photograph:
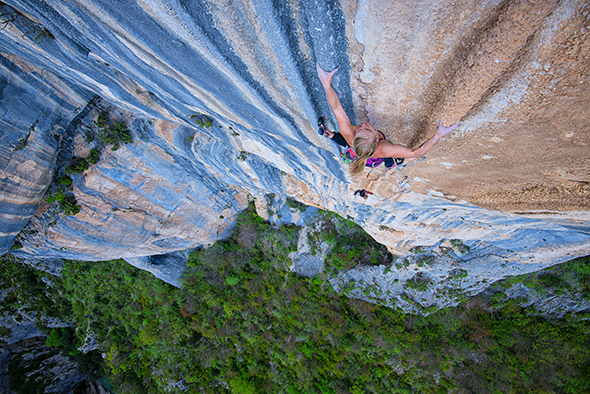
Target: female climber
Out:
[370,145]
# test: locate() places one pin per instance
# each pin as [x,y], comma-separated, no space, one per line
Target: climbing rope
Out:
[401,167]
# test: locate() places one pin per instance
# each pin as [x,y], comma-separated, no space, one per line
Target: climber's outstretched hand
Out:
[325,77]
[442,130]
[346,128]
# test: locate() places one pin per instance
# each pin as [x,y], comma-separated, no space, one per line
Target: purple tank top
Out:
[376,161]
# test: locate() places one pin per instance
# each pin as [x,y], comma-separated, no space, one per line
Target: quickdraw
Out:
[363,193]
[403,183]
[371,172]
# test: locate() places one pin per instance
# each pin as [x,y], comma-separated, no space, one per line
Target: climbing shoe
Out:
[322,130]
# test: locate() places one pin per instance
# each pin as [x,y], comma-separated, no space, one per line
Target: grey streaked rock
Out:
[222,101]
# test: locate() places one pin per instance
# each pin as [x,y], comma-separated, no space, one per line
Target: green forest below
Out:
[242,322]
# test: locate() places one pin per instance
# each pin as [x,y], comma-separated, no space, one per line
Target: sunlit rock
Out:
[222,102]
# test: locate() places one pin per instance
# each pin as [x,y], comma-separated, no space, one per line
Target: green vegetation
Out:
[44,33]
[294,204]
[25,291]
[243,323]
[115,134]
[359,247]
[458,273]
[21,143]
[67,202]
[101,120]
[206,123]
[242,155]
[7,21]
[459,246]
[94,156]
[24,373]
[80,164]
[77,166]
[419,282]
[63,193]
[424,259]
[202,120]
[570,280]
[16,245]
[29,292]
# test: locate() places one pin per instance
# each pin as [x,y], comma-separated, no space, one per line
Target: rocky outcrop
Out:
[222,99]
[34,366]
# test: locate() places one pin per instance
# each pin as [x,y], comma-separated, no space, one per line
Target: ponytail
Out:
[357,165]
[364,146]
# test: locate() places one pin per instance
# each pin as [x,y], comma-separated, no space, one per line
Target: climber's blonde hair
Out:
[364,146]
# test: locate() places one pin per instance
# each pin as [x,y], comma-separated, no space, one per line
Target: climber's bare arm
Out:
[347,129]
[387,149]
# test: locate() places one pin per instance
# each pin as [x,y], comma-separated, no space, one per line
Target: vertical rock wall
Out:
[515,72]
[222,100]
[33,118]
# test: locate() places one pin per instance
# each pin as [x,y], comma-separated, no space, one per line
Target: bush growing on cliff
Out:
[77,166]
[94,156]
[21,143]
[67,202]
[115,134]
[80,164]
[63,193]
[294,204]
[202,120]
[101,120]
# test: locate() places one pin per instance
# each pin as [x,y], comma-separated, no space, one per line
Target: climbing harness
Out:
[347,154]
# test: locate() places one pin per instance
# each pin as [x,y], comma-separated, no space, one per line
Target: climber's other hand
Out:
[325,77]
[442,130]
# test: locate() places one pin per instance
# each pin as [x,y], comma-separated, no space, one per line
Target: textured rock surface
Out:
[45,367]
[33,115]
[428,278]
[515,72]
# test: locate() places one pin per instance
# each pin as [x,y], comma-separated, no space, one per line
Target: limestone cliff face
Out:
[222,99]
[32,121]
